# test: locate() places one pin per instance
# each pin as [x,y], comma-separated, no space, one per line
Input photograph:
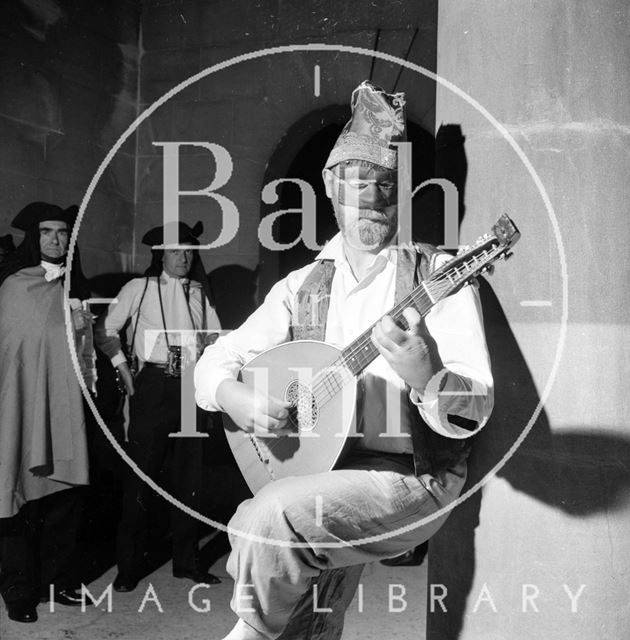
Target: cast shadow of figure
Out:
[578,472]
[428,204]
[234,288]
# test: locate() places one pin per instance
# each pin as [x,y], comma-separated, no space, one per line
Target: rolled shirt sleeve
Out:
[458,401]
[106,334]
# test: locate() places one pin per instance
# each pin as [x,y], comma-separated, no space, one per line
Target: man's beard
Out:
[374,228]
[375,234]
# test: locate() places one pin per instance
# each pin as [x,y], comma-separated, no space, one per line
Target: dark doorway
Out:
[305,162]
[307,165]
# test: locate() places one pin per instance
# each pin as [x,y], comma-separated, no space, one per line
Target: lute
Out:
[319,380]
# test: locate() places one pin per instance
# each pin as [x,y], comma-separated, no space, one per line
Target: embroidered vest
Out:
[432,452]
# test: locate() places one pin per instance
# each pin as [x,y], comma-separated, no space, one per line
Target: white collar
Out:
[166,279]
[333,250]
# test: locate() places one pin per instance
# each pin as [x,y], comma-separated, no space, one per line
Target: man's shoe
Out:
[124,583]
[412,558]
[196,575]
[22,611]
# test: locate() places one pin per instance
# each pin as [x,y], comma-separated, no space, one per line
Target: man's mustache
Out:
[373,215]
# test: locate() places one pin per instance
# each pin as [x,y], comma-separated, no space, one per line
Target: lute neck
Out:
[362,351]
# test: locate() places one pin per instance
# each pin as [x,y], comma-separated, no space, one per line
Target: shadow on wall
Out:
[576,472]
[55,64]
[448,161]
[107,285]
[234,288]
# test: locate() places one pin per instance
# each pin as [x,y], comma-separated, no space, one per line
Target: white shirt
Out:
[455,323]
[150,343]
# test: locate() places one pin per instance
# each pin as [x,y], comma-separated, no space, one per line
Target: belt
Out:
[156,365]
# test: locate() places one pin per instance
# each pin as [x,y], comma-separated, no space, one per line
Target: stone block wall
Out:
[551,521]
[76,75]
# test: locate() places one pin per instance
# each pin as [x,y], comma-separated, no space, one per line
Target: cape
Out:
[43,447]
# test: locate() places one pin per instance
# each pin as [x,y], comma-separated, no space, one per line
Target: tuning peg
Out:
[507,255]
[489,269]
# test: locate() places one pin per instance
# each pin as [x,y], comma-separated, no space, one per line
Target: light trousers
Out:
[339,519]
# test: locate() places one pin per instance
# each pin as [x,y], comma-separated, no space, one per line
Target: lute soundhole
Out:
[304,412]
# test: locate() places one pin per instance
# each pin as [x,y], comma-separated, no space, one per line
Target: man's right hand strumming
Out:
[253,411]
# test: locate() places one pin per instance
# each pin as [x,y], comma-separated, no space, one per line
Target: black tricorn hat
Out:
[185,234]
[37,212]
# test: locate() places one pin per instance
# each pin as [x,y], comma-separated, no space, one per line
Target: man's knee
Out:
[268,512]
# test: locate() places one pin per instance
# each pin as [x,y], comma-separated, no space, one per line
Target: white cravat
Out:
[53,271]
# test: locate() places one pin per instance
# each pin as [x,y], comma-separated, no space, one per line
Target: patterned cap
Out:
[378,121]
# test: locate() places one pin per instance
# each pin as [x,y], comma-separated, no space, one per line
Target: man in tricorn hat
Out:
[173,296]
[372,506]
[43,449]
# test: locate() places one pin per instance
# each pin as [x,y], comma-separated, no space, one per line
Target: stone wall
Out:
[554,518]
[76,76]
[249,107]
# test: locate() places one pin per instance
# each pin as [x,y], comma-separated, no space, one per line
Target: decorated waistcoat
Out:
[432,452]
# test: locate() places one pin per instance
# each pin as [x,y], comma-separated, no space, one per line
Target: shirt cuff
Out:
[442,397]
[118,359]
[206,385]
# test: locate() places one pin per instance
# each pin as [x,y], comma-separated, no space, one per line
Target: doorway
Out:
[302,154]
